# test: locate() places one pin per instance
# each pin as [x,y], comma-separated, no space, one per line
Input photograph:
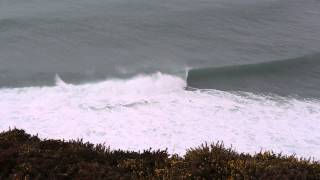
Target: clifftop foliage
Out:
[23,156]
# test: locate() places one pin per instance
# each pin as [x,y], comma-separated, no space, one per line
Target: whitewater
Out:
[159,111]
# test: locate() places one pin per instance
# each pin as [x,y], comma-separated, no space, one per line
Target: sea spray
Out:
[156,111]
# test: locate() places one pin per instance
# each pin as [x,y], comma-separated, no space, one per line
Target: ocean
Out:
[164,73]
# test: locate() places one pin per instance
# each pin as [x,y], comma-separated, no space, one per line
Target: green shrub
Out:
[23,156]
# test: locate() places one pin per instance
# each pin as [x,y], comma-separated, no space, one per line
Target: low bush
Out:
[23,156]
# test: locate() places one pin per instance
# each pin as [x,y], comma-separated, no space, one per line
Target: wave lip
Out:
[299,76]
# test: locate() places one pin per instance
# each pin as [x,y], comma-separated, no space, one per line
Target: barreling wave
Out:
[299,76]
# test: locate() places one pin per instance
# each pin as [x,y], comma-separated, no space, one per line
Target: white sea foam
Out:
[156,111]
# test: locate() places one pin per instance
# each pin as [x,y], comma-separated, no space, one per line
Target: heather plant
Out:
[23,156]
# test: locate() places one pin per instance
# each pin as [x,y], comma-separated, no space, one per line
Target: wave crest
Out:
[299,76]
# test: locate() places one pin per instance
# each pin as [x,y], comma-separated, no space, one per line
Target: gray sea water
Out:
[135,74]
[267,46]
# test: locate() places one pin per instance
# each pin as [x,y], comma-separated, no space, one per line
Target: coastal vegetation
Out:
[23,156]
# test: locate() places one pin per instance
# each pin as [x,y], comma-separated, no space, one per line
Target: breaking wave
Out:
[157,111]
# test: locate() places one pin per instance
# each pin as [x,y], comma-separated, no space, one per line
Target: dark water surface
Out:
[84,40]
